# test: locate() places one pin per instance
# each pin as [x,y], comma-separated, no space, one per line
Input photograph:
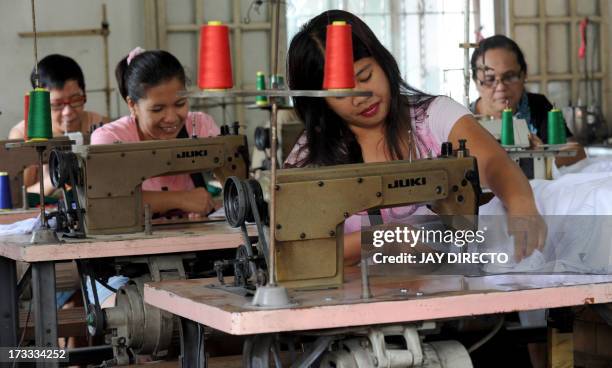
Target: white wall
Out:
[16,55]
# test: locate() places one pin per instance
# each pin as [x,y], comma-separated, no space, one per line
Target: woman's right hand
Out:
[534,141]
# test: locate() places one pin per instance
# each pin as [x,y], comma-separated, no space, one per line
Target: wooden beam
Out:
[65,33]
[150,25]
[162,35]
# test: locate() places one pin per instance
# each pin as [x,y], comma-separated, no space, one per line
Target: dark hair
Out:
[330,141]
[147,70]
[55,70]
[497,42]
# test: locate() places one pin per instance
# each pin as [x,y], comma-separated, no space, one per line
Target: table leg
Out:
[9,313]
[193,352]
[45,308]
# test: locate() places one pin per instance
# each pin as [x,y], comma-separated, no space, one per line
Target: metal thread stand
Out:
[44,235]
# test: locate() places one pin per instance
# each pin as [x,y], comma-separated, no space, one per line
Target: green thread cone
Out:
[507,129]
[261,85]
[556,127]
[39,115]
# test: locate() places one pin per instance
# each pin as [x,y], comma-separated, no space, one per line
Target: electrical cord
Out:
[488,337]
[25,328]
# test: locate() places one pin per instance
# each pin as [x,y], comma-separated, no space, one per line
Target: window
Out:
[423,35]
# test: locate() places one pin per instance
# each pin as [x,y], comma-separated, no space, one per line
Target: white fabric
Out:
[26,226]
[22,227]
[588,165]
[578,212]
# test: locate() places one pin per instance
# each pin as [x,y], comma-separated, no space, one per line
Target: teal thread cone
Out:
[556,127]
[39,115]
[507,129]
[261,85]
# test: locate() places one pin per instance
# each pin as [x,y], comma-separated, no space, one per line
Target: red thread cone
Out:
[215,63]
[338,73]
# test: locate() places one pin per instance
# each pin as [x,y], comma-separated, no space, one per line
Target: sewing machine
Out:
[15,161]
[312,204]
[106,199]
[107,178]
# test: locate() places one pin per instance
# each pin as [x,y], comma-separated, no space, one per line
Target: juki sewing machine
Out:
[107,178]
[106,198]
[312,204]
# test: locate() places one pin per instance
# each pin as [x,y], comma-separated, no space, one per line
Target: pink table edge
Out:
[381,312]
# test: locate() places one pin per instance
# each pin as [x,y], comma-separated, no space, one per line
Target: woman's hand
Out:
[197,202]
[534,141]
[529,231]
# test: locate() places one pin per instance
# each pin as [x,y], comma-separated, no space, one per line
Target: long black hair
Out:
[330,141]
[55,70]
[147,69]
[497,42]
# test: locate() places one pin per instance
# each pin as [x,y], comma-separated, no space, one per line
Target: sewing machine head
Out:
[312,203]
[107,178]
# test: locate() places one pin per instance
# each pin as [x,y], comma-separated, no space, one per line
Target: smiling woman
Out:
[150,82]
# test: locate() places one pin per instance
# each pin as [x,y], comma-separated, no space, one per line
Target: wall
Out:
[16,58]
[558,49]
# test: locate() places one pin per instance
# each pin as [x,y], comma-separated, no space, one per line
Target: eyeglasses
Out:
[75,102]
[491,81]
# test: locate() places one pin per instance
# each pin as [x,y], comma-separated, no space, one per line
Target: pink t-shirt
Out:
[431,124]
[125,130]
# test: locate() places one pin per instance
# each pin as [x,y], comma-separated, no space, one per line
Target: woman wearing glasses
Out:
[499,71]
[64,79]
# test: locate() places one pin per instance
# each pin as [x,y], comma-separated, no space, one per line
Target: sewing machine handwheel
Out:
[61,163]
[235,201]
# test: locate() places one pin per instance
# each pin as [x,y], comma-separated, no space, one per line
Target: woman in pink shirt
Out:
[150,82]
[395,123]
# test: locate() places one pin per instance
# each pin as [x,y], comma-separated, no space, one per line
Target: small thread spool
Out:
[5,192]
[556,127]
[338,72]
[215,63]
[507,129]
[26,108]
[261,85]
